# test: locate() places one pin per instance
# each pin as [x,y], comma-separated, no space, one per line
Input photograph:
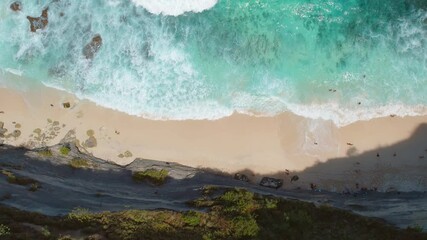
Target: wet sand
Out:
[262,145]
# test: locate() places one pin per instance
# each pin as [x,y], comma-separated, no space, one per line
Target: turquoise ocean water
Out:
[249,56]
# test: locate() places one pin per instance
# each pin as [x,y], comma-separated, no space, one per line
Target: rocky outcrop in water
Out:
[93,47]
[16,6]
[41,22]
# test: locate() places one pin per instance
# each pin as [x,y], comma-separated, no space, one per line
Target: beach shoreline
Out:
[258,145]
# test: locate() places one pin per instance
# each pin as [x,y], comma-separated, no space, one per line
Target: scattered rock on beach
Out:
[90,142]
[271,182]
[127,154]
[41,22]
[92,48]
[241,177]
[66,105]
[16,133]
[37,131]
[90,132]
[16,6]
[294,178]
[2,130]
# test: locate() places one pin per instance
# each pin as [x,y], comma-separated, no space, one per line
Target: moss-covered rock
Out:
[157,177]
[78,163]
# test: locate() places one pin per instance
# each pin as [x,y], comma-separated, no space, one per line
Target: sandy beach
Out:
[385,153]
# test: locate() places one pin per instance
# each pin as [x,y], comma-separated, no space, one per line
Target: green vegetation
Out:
[236,214]
[4,230]
[77,163]
[34,187]
[45,153]
[157,177]
[64,150]
[416,228]
[13,179]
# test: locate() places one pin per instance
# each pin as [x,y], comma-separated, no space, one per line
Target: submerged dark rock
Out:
[41,22]
[93,47]
[271,182]
[16,6]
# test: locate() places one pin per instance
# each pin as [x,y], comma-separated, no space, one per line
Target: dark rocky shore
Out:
[55,180]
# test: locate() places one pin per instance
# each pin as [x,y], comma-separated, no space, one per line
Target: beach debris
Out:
[1,124]
[315,143]
[392,115]
[287,172]
[16,6]
[350,144]
[294,178]
[271,182]
[116,132]
[41,22]
[421,157]
[394,154]
[378,155]
[92,48]
[2,112]
[332,90]
[66,105]
[51,105]
[359,103]
[90,142]
[241,177]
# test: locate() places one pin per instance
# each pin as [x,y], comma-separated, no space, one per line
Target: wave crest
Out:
[175,7]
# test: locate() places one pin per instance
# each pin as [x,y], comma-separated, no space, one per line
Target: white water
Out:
[175,7]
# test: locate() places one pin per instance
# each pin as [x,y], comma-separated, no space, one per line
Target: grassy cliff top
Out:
[224,214]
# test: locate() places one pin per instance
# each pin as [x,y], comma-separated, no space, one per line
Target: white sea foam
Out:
[175,7]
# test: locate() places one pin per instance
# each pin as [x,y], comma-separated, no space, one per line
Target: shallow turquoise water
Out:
[262,57]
